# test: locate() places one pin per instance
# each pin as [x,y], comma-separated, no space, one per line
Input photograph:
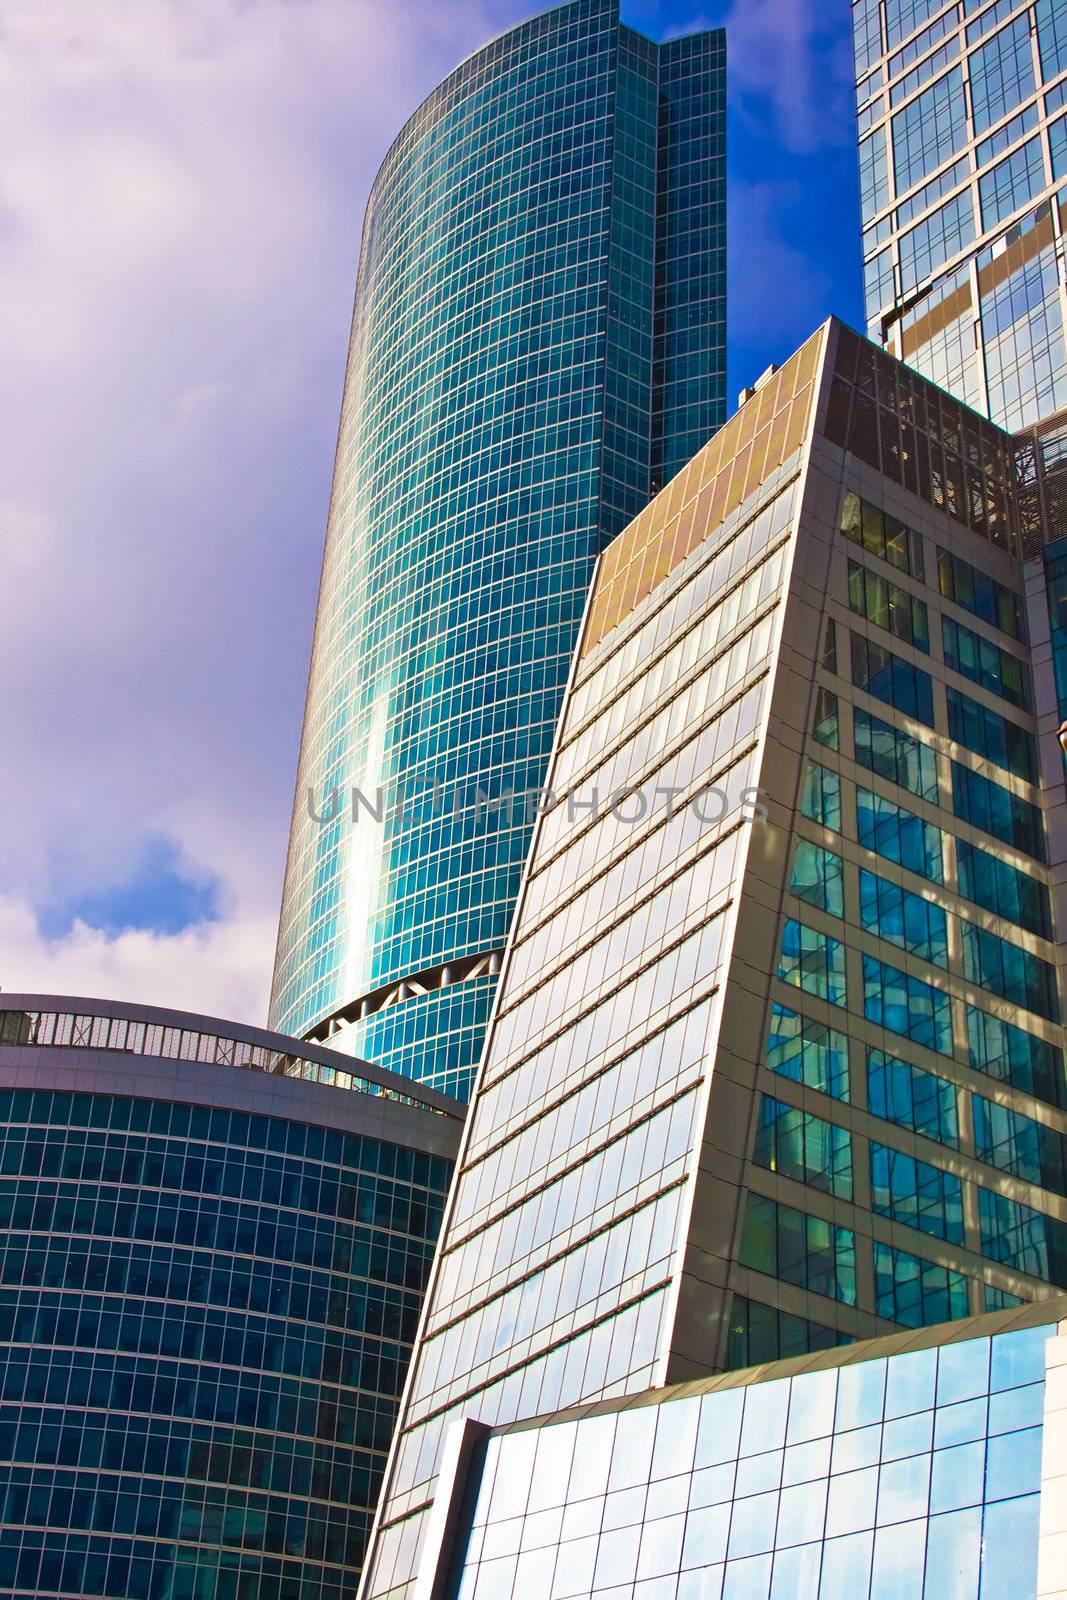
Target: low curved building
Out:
[213,1247]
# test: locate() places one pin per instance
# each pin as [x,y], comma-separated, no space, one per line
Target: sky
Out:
[180,206]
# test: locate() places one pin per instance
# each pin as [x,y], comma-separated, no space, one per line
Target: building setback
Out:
[776,1062]
[213,1247]
[538,345]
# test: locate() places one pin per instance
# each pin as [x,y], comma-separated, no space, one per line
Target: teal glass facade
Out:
[538,345]
[208,1311]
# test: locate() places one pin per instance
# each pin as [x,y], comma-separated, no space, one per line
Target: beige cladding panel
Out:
[756,440]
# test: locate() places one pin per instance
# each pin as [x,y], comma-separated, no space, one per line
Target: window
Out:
[989,734]
[938,187]
[1019,1145]
[1057,138]
[820,798]
[796,1145]
[1012,184]
[916,1194]
[807,1052]
[888,606]
[882,535]
[818,878]
[878,672]
[812,961]
[895,755]
[981,595]
[994,809]
[867,34]
[986,664]
[911,1098]
[928,131]
[997,886]
[915,1292]
[874,174]
[904,16]
[1002,74]
[1052,37]
[825,724]
[1007,134]
[927,69]
[761,1333]
[1018,1236]
[904,918]
[906,1005]
[879,283]
[936,240]
[799,1249]
[922,42]
[1004,1051]
[1008,970]
[898,835]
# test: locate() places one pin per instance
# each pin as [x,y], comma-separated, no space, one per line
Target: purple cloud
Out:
[180,205]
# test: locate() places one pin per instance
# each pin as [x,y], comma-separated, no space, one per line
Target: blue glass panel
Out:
[1001,73]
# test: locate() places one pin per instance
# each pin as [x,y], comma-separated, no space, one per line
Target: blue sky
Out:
[180,205]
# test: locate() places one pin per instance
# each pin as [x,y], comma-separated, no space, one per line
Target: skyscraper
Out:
[213,1247]
[538,345]
[776,1062]
[963,162]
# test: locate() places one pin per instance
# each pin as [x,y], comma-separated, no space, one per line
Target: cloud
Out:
[793,57]
[789,66]
[216,969]
[181,197]
[180,206]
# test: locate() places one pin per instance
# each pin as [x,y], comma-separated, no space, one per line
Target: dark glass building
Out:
[213,1247]
[538,345]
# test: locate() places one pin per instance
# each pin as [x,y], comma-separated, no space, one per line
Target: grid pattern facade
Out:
[210,1281]
[906,1476]
[209,1317]
[557,1277]
[963,165]
[776,1061]
[530,296]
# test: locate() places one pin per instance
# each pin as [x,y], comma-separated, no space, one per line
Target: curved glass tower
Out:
[538,345]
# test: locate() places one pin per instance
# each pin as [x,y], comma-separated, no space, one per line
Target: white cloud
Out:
[214,968]
[793,56]
[180,202]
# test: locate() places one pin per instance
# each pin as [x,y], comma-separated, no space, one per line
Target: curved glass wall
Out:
[208,1310]
[538,340]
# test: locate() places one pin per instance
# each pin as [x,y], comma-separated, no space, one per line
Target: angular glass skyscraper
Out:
[963,162]
[777,1058]
[538,345]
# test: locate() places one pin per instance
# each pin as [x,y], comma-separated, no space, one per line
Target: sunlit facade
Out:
[777,1060]
[909,1468]
[963,167]
[213,1247]
[538,345]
